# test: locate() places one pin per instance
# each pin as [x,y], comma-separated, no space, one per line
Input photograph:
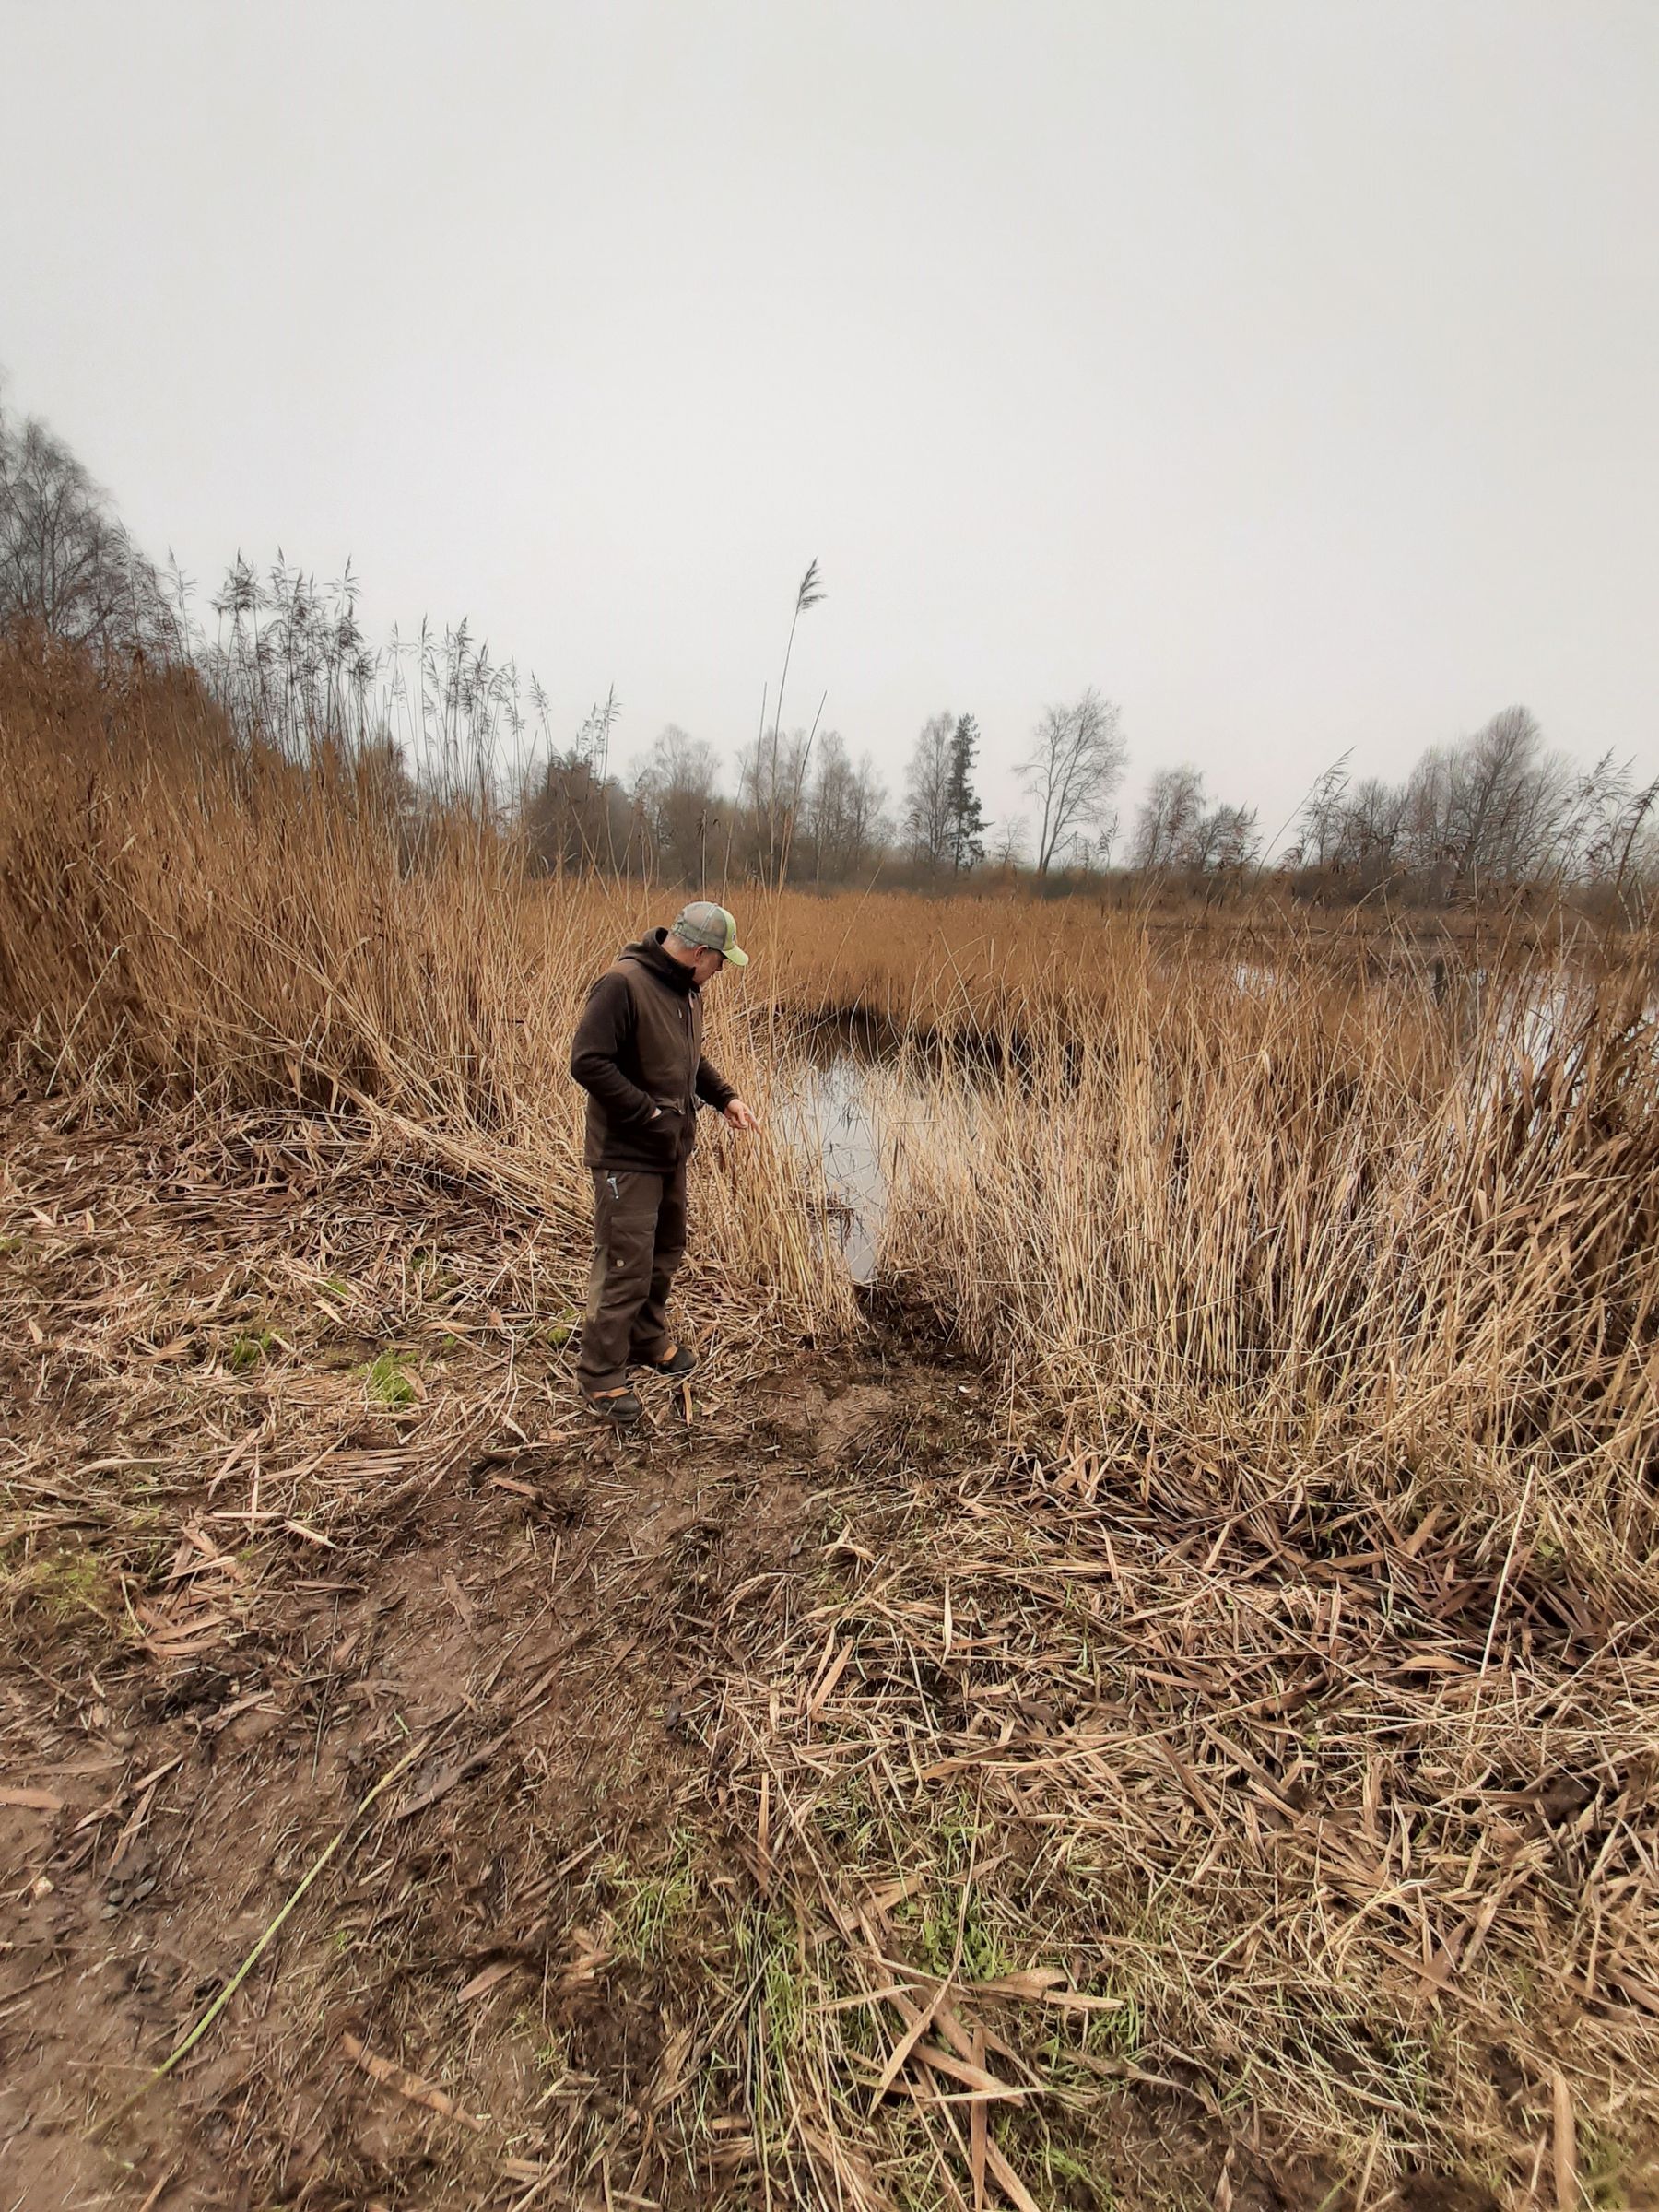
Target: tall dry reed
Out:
[180,917]
[1338,1239]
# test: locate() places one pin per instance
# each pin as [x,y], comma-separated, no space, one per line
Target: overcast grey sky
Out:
[1285,368]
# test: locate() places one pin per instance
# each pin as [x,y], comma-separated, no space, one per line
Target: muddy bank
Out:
[313,1574]
[299,1498]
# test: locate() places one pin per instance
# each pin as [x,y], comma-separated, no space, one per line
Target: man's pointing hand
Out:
[738,1114]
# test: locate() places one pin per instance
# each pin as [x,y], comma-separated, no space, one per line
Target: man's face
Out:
[705,965]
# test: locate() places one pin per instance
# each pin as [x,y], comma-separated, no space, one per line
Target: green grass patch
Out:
[953,1903]
[65,1584]
[772,1968]
[561,1328]
[250,1349]
[1071,2179]
[649,1907]
[387,1379]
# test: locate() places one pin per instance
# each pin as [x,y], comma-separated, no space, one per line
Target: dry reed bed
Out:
[1297,1668]
[1251,1817]
[178,921]
[1333,1241]
[180,912]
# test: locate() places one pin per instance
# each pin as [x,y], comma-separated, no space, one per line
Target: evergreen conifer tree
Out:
[965,815]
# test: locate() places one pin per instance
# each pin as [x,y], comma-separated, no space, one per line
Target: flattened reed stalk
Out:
[1225,1800]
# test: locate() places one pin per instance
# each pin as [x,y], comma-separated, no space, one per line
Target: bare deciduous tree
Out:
[1074,765]
[844,818]
[1169,815]
[66,565]
[1224,837]
[1493,808]
[1373,827]
[1496,808]
[1178,829]
[770,775]
[869,826]
[1507,801]
[927,801]
[678,786]
[1013,841]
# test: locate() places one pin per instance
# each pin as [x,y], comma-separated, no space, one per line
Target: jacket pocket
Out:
[664,1135]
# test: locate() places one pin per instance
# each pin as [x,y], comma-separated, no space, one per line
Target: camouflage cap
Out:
[710,926]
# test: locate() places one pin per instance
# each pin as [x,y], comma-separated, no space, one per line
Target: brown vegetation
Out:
[1220,1710]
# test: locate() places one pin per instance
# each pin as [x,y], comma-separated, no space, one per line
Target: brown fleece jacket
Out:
[638,1047]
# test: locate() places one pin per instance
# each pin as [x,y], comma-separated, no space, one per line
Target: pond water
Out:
[842,1127]
[847,1095]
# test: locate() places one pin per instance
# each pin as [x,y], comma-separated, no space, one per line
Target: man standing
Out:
[637,1054]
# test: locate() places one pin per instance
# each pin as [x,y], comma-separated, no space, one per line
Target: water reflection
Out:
[842,1128]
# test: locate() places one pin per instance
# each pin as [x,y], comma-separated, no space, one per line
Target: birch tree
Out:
[1074,765]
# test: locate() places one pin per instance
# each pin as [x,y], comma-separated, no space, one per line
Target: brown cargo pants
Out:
[638,1241]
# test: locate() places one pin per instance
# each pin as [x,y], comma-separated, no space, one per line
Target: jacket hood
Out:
[649,953]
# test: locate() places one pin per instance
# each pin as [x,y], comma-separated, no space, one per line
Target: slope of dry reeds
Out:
[1333,1236]
[179,918]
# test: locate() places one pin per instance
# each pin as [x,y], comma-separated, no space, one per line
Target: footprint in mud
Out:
[852,1419]
[131,1882]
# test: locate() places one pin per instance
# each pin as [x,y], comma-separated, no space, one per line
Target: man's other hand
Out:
[738,1114]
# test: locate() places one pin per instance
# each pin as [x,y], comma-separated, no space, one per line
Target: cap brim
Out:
[736,956]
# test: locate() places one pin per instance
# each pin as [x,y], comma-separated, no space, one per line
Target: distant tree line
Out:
[1494,813]
[433,718]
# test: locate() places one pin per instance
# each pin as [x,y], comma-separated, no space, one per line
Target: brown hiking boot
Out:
[681,1360]
[620,1408]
